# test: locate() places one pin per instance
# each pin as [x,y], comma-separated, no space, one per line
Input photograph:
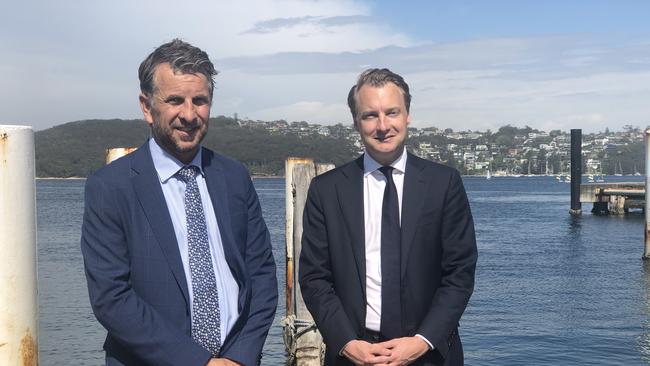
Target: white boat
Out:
[488,175]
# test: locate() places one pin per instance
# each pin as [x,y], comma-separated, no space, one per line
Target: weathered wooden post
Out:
[303,340]
[323,167]
[289,191]
[18,287]
[117,152]
[646,251]
[576,171]
[309,343]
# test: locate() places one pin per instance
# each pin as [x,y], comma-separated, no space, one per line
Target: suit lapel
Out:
[412,203]
[350,196]
[149,193]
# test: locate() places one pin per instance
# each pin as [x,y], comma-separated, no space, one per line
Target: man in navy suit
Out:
[388,247]
[180,270]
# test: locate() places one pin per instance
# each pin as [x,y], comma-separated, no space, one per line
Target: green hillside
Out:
[77,148]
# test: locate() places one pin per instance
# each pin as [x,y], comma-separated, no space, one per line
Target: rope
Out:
[291,334]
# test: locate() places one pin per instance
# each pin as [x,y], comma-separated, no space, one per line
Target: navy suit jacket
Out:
[438,257]
[136,281]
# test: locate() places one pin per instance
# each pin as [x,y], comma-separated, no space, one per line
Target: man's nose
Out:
[382,123]
[188,112]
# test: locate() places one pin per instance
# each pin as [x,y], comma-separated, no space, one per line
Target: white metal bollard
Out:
[18,289]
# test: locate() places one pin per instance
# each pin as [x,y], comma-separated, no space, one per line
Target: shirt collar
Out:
[370,165]
[167,165]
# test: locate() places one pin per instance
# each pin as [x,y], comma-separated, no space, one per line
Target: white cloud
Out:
[296,60]
[519,81]
[310,111]
[591,102]
[317,98]
[76,59]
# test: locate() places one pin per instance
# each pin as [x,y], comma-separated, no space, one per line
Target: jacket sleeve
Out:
[315,276]
[458,263]
[260,265]
[128,319]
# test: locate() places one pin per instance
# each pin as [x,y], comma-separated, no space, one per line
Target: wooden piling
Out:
[303,341]
[289,194]
[117,152]
[576,171]
[323,167]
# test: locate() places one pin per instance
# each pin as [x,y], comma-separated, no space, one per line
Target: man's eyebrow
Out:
[368,113]
[172,96]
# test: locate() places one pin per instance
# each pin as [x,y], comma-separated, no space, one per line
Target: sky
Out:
[471,65]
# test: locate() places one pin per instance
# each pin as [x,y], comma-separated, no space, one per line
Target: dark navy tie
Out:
[391,312]
[206,322]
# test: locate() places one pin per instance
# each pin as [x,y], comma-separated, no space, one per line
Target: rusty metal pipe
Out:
[18,291]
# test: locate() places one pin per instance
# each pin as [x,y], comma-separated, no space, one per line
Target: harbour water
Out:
[550,289]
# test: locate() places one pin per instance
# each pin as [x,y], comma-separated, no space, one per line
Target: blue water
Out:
[550,289]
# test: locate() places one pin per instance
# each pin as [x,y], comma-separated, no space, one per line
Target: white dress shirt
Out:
[374,183]
[174,191]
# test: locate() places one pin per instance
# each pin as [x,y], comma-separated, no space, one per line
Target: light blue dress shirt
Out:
[174,191]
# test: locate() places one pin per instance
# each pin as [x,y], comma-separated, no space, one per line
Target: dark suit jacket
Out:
[437,266]
[136,281]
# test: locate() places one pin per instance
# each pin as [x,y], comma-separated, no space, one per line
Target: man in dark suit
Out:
[177,255]
[388,246]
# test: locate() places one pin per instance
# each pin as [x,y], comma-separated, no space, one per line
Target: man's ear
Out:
[145,105]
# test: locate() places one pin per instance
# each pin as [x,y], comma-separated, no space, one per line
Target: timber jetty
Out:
[613,198]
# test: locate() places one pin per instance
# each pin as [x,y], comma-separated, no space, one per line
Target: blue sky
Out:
[470,64]
[441,21]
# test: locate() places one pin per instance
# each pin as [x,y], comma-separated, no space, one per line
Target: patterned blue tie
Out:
[206,321]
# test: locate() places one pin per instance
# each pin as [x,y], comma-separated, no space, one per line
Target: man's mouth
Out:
[383,138]
[187,132]
[187,129]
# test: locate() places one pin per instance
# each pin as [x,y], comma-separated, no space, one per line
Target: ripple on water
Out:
[550,290]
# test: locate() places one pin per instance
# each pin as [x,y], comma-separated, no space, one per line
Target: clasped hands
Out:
[222,362]
[394,352]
